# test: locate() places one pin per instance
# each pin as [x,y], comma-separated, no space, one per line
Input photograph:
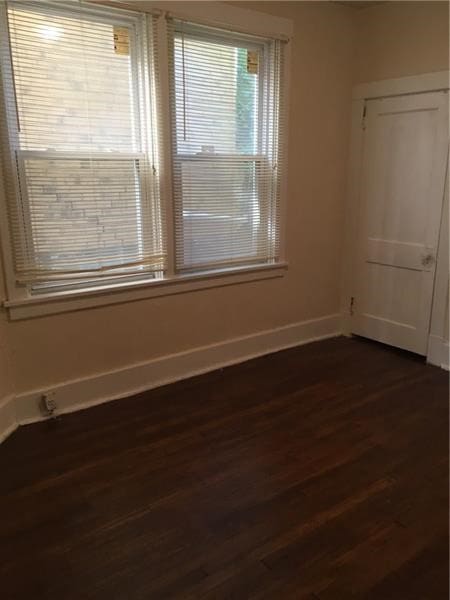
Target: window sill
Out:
[59,302]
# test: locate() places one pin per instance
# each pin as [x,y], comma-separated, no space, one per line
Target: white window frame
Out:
[22,305]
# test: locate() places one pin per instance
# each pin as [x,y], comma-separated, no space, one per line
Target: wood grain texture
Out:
[319,472]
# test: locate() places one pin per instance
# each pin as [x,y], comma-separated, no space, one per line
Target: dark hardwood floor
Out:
[315,473]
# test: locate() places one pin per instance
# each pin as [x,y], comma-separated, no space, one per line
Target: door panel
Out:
[402,183]
[393,253]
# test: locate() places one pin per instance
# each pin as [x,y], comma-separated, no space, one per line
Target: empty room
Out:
[224,300]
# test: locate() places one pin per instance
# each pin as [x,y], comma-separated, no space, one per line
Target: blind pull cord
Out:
[183,68]
[12,71]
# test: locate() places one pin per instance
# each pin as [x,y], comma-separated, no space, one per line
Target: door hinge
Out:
[352,306]
[363,120]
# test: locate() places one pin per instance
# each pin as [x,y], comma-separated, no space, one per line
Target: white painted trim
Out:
[164,118]
[426,82]
[439,310]
[161,371]
[48,304]
[218,14]
[8,422]
[285,95]
[438,352]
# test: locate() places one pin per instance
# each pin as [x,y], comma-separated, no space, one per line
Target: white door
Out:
[402,186]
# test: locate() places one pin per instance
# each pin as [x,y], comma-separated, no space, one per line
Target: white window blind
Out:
[227,128]
[81,115]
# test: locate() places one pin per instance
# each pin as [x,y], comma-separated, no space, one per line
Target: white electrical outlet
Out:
[48,403]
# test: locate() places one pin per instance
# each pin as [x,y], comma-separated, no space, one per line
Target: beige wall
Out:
[53,349]
[7,412]
[6,383]
[446,322]
[397,39]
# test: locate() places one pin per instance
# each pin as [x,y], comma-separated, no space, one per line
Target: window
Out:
[88,122]
[226,156]
[84,147]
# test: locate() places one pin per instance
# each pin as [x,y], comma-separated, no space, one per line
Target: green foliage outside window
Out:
[245,105]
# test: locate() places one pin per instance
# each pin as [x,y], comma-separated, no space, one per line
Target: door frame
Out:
[416,84]
[438,346]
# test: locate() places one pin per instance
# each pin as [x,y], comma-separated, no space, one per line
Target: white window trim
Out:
[47,304]
[214,14]
[21,305]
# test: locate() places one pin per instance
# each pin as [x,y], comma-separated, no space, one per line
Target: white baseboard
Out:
[8,422]
[84,393]
[438,352]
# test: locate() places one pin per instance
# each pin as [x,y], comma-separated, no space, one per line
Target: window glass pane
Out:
[216,91]
[221,221]
[74,87]
[95,197]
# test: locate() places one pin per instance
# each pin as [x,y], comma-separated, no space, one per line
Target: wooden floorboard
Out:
[316,473]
